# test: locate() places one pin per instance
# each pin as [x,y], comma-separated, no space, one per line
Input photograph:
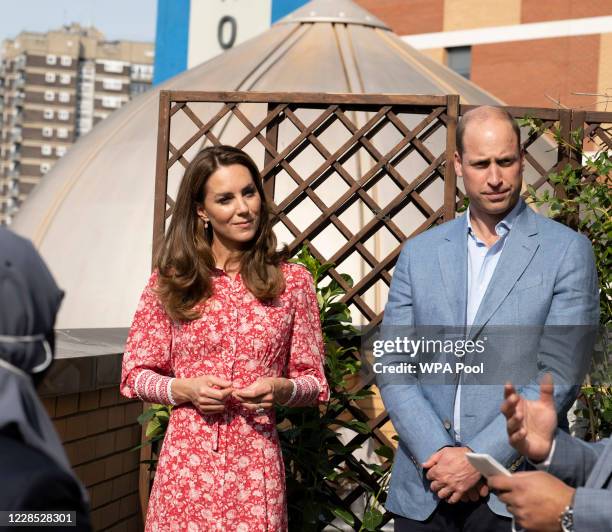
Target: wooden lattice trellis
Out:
[285,127]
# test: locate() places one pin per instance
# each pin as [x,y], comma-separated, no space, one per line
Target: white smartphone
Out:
[486,465]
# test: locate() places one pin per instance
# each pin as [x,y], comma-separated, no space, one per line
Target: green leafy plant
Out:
[583,200]
[156,419]
[319,465]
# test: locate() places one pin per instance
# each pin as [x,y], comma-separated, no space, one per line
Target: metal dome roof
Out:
[91,216]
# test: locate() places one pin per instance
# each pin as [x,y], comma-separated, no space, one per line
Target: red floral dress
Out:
[221,472]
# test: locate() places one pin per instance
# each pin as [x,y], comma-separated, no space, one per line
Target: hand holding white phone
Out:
[487,466]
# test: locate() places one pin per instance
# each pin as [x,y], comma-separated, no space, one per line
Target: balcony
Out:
[15,153]
[16,135]
[147,78]
[17,118]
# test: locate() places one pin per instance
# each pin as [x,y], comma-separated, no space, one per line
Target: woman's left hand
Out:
[264,392]
[260,394]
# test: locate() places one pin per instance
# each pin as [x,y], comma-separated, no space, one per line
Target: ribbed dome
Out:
[91,216]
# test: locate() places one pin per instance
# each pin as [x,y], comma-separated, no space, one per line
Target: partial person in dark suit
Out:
[35,474]
[573,490]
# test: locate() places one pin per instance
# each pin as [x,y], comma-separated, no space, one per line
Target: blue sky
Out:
[117,19]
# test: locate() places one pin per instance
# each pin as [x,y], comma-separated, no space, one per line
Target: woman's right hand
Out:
[207,393]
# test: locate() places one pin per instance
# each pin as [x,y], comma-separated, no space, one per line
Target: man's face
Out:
[491,167]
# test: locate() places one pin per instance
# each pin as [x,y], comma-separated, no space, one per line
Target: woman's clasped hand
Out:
[211,395]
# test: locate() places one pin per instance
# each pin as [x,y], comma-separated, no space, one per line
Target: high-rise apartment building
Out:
[54,87]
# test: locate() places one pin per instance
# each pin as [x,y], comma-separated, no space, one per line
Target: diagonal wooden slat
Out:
[272,115]
[203,129]
[349,195]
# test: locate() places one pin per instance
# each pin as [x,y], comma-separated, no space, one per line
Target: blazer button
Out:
[447,424]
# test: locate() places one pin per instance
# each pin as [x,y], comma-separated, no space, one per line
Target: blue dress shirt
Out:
[482,261]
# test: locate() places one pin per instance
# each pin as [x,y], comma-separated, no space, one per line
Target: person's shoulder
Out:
[431,237]
[558,233]
[8,236]
[25,473]
[296,274]
[20,247]
[153,279]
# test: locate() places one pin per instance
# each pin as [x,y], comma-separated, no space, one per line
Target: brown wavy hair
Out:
[185,260]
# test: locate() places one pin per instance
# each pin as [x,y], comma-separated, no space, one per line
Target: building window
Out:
[62,133]
[460,60]
[49,96]
[47,132]
[50,77]
[88,70]
[48,114]
[142,72]
[20,62]
[63,115]
[111,102]
[138,88]
[66,60]
[46,149]
[64,97]
[113,66]
[112,84]
[60,151]
[51,60]
[45,167]
[65,79]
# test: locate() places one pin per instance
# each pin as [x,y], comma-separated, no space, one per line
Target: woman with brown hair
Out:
[225,329]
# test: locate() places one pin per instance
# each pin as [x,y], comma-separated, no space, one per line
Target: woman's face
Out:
[232,205]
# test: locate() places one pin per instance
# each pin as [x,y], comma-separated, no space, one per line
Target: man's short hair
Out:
[480,113]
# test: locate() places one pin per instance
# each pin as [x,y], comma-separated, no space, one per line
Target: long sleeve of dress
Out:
[307,351]
[147,369]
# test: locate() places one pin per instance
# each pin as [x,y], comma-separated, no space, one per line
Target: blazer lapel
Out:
[516,256]
[452,255]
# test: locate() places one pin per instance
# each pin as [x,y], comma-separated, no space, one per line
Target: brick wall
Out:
[98,429]
[406,17]
[542,10]
[525,72]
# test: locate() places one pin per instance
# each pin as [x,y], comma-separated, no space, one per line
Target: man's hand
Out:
[535,499]
[531,424]
[453,477]
[479,491]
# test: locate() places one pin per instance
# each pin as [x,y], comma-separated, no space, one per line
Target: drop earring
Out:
[205,225]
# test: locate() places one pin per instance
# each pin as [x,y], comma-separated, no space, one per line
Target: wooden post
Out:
[161,172]
[272,138]
[564,153]
[450,178]
[159,227]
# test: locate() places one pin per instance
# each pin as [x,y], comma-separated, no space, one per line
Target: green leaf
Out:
[385,451]
[152,428]
[145,416]
[343,514]
[372,519]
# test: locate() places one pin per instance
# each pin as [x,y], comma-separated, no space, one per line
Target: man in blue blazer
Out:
[499,265]
[573,490]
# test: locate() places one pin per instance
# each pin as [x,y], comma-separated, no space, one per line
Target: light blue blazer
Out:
[588,467]
[545,276]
